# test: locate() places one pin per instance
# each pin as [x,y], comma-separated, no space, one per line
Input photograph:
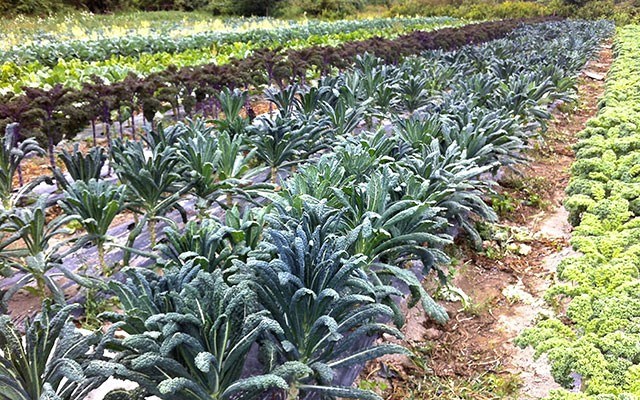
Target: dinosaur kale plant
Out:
[12,153]
[97,203]
[81,167]
[191,340]
[52,360]
[324,303]
[32,246]
[155,181]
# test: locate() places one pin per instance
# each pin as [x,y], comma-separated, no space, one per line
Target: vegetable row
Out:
[288,288]
[61,112]
[25,31]
[113,59]
[594,338]
[312,32]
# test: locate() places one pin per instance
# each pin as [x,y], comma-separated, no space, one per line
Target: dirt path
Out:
[553,226]
[474,355]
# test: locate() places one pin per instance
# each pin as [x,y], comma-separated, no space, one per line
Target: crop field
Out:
[49,61]
[249,208]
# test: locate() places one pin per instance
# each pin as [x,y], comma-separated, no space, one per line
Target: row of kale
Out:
[312,274]
[61,113]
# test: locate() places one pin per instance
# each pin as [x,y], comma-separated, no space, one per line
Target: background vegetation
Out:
[623,12]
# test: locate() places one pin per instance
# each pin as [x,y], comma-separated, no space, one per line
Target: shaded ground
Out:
[473,356]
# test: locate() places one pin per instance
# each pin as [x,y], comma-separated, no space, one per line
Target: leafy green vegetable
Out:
[597,338]
[53,360]
[11,155]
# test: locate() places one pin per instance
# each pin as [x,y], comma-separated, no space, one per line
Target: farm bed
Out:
[310,277]
[73,63]
[60,113]
[593,340]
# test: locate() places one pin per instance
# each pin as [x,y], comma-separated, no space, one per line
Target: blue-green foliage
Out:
[305,285]
[322,281]
[191,333]
[323,299]
[52,361]
[11,155]
[81,167]
[219,244]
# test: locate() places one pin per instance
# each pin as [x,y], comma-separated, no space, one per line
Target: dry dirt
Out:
[505,291]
